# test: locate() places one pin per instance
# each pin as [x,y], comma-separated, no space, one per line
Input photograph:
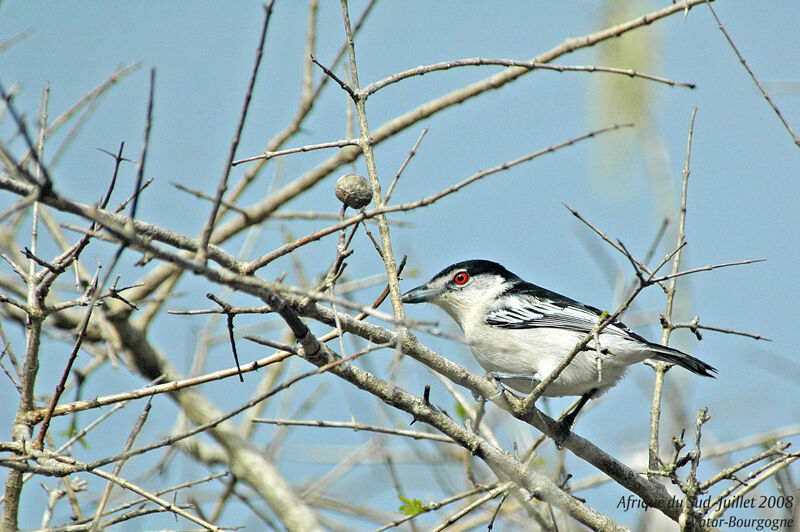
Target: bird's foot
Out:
[568,421]
[565,429]
[500,376]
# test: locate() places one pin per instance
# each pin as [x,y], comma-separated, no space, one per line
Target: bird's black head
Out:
[476,267]
[462,281]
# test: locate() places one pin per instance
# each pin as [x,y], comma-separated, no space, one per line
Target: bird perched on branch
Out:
[520,332]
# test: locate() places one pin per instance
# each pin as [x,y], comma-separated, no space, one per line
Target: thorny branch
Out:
[109,326]
[661,367]
[222,187]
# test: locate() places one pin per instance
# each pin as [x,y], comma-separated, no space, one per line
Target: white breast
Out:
[538,351]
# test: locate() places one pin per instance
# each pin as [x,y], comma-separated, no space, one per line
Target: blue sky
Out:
[743,188]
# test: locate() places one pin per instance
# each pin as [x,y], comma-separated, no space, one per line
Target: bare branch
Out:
[707,268]
[137,428]
[157,500]
[662,367]
[287,248]
[356,426]
[616,245]
[403,166]
[222,187]
[761,88]
[201,195]
[5,45]
[694,325]
[301,149]
[35,416]
[372,88]
[271,203]
[433,506]
[145,143]
[328,72]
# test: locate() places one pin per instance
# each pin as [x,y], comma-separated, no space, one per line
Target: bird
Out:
[520,332]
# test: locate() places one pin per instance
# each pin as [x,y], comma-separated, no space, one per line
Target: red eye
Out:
[461,278]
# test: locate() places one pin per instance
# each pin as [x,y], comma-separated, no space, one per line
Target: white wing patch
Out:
[531,312]
[517,312]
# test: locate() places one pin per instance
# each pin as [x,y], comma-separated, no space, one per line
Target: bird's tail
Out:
[679,358]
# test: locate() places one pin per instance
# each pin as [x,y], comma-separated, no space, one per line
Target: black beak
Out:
[421,294]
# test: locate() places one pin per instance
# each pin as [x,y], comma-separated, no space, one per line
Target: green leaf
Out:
[411,506]
[461,412]
[71,431]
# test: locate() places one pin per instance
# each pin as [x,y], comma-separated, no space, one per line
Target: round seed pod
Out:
[354,191]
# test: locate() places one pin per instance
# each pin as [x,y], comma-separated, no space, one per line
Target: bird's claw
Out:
[494,376]
[499,376]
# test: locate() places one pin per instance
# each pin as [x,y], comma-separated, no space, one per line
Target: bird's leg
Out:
[500,389]
[569,419]
[499,376]
[502,375]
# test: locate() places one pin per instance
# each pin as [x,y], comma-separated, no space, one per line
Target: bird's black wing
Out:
[527,306]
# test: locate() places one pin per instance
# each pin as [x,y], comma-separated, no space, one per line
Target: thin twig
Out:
[44,183]
[328,72]
[307,99]
[300,149]
[201,195]
[753,76]
[39,442]
[778,448]
[4,45]
[662,367]
[158,493]
[528,404]
[694,326]
[356,426]
[403,166]
[288,248]
[662,229]
[365,143]
[40,175]
[529,65]
[91,96]
[226,309]
[35,416]
[616,245]
[222,187]
[491,494]
[751,481]
[145,143]
[153,498]
[137,428]
[706,268]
